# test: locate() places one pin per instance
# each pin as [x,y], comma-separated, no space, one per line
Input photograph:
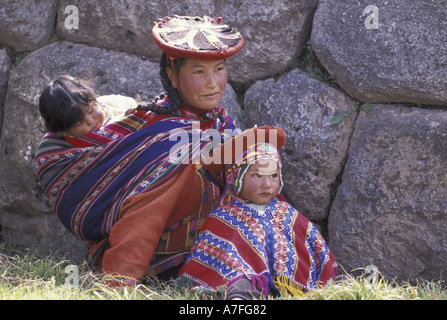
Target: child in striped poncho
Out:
[255,244]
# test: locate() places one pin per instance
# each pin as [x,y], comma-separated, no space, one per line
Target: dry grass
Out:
[46,277]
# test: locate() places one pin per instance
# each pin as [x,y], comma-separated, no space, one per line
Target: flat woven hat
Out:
[197,38]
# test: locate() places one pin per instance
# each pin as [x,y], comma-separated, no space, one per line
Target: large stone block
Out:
[390,210]
[385,51]
[27,25]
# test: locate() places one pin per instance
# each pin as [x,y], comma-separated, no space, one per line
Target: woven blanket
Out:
[88,179]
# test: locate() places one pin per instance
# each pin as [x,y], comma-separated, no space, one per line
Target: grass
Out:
[49,277]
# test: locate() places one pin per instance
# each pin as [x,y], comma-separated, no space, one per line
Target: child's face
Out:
[93,120]
[261,182]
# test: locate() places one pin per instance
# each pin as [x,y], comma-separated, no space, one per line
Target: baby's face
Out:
[93,120]
[261,182]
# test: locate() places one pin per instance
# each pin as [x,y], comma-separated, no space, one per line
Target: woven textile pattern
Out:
[239,240]
[88,179]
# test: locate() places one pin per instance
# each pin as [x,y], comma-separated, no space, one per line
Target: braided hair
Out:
[170,91]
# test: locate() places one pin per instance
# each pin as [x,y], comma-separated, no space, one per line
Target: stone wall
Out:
[359,88]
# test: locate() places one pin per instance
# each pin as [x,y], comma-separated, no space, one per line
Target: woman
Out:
[123,188]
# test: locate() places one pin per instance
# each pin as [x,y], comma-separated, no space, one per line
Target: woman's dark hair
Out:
[170,91]
[62,102]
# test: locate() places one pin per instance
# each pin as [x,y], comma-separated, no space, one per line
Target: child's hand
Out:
[130,111]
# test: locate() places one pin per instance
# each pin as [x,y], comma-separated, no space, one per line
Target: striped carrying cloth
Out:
[87,180]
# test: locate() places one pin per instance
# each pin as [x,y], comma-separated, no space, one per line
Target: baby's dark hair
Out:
[62,102]
[170,91]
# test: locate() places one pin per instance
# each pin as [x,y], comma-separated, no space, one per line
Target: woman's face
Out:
[201,83]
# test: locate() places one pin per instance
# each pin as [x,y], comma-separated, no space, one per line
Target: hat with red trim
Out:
[197,38]
[237,149]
